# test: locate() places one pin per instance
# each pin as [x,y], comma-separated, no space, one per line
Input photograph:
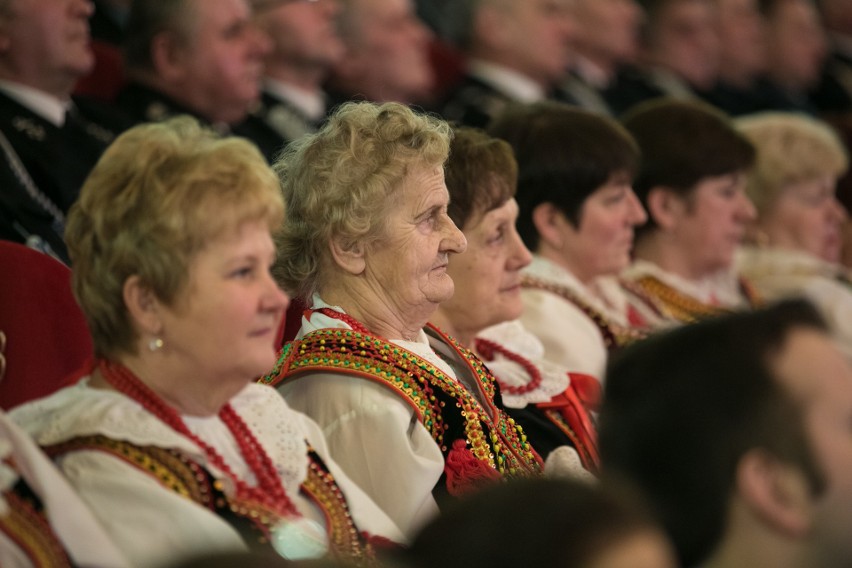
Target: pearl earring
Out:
[155,344]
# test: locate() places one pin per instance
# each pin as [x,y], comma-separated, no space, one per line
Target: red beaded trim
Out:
[487,349]
[269,492]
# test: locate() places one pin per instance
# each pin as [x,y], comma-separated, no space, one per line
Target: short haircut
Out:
[340,181]
[148,19]
[682,408]
[564,155]
[547,523]
[481,174]
[791,148]
[682,143]
[159,194]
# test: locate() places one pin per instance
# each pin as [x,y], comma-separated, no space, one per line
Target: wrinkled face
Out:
[487,276]
[686,41]
[225,322]
[45,41]
[608,29]
[796,44]
[539,34]
[222,64]
[711,221]
[389,51]
[645,549]
[407,268]
[304,34]
[602,243]
[742,37]
[820,379]
[807,217]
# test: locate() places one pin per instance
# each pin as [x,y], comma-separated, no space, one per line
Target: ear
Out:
[775,491]
[550,223]
[351,257]
[167,56]
[664,206]
[143,306]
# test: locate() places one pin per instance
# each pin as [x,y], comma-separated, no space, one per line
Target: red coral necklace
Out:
[269,491]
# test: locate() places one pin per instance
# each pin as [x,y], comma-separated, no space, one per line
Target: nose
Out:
[637,215]
[521,255]
[84,7]
[453,240]
[838,211]
[261,43]
[746,211]
[274,298]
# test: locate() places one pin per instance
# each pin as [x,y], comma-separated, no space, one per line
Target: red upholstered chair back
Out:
[47,341]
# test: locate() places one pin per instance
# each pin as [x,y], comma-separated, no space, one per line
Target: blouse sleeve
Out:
[152,525]
[377,440]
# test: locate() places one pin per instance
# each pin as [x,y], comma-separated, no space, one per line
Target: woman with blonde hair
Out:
[168,440]
[794,246]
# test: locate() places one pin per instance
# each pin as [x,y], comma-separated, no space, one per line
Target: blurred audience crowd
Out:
[418,283]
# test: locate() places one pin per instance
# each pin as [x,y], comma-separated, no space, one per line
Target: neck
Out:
[556,257]
[59,87]
[668,254]
[444,321]
[377,313]
[178,386]
[306,78]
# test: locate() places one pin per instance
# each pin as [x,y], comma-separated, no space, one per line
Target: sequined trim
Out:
[322,489]
[498,442]
[28,528]
[687,309]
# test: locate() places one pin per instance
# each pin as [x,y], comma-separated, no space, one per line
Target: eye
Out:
[242,272]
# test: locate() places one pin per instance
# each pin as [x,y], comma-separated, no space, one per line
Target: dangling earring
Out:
[155,344]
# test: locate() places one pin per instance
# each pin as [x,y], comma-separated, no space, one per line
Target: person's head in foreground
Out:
[547,523]
[367,227]
[692,183]
[575,169]
[737,430]
[793,183]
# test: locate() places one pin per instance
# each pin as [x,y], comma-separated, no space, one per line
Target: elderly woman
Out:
[577,213]
[169,441]
[409,413]
[795,242]
[481,175]
[692,183]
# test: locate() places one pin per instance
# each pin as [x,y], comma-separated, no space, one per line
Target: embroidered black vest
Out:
[479,444]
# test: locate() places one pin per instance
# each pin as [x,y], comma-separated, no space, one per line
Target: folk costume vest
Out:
[251,520]
[479,444]
[686,309]
[27,526]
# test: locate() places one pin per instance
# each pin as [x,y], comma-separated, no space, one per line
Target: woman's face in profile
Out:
[807,217]
[407,267]
[487,276]
[225,322]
